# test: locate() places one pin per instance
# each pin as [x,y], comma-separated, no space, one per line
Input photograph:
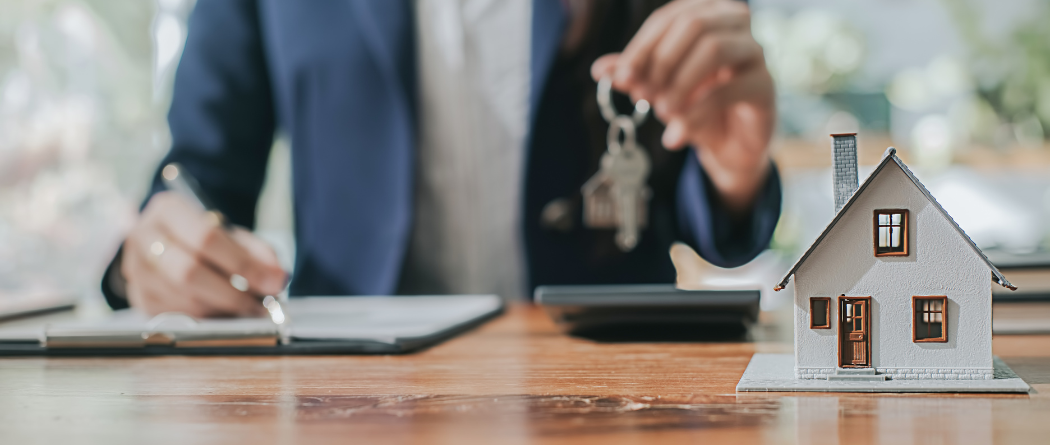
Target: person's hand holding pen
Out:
[181,258]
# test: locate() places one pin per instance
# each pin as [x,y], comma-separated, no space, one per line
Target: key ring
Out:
[618,124]
[605,105]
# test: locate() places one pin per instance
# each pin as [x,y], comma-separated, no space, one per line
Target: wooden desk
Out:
[514,380]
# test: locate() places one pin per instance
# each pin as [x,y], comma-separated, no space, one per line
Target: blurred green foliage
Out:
[1013,75]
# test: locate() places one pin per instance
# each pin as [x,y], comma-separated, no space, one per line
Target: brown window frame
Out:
[904,231]
[915,308]
[827,313]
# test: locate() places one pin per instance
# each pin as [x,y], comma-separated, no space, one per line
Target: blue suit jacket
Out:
[338,78]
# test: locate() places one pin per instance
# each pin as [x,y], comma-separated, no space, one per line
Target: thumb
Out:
[604,66]
[675,135]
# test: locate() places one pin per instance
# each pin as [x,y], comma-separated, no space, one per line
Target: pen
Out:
[179,180]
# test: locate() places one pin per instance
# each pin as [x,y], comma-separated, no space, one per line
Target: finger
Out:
[741,109]
[257,248]
[162,277]
[683,34]
[632,62]
[604,66]
[159,296]
[206,238]
[209,290]
[142,280]
[716,60]
[129,267]
[137,299]
[675,134]
[150,293]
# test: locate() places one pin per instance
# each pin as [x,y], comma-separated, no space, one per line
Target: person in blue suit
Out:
[439,146]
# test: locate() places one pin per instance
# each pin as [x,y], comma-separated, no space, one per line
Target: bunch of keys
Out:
[617,196]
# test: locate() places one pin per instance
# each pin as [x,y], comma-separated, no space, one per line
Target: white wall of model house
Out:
[940,262]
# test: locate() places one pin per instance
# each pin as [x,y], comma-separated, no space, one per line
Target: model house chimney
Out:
[844,167]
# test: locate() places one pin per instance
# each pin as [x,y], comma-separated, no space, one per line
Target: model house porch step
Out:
[857,374]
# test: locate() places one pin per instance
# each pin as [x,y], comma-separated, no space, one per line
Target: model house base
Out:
[903,373]
[776,372]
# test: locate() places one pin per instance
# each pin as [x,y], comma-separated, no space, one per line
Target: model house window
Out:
[931,315]
[820,313]
[891,232]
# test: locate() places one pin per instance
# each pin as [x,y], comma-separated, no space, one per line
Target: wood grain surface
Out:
[513,380]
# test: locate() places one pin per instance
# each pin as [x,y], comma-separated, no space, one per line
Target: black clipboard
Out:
[317,325]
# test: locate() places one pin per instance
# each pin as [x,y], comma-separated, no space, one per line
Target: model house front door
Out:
[854,332]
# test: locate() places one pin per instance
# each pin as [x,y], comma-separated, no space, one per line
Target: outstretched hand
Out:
[703,72]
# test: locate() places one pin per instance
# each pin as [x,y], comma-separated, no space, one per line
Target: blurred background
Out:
[960,87]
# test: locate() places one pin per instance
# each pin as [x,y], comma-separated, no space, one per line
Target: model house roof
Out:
[891,156]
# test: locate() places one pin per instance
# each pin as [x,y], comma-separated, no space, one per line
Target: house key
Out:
[616,196]
[627,167]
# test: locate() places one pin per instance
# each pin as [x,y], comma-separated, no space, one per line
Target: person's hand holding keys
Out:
[180,258]
[698,65]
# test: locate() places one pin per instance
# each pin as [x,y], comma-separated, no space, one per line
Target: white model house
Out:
[892,286]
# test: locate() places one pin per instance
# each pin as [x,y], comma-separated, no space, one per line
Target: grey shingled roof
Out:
[891,155]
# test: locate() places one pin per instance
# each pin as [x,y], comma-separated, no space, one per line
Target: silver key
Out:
[627,166]
[599,205]
[628,172]
[617,195]
[600,202]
